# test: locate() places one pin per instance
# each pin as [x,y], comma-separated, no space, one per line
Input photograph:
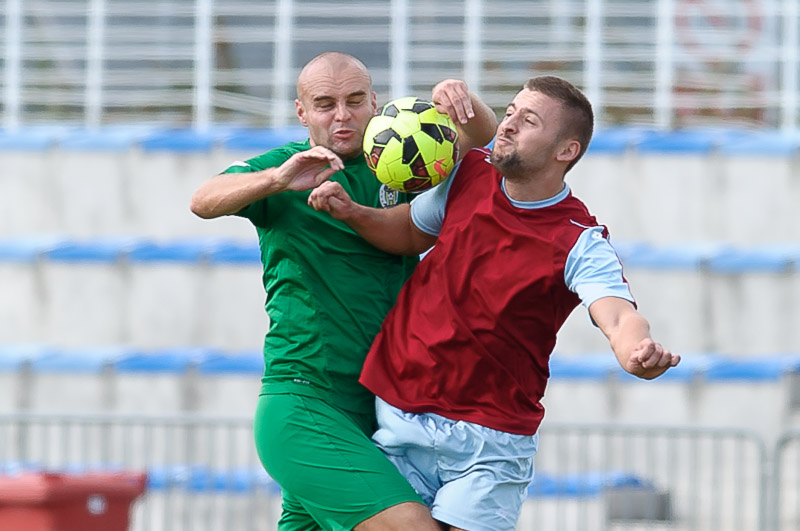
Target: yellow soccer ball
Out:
[410,146]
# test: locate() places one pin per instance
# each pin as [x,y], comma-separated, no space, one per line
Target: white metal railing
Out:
[204,473]
[668,63]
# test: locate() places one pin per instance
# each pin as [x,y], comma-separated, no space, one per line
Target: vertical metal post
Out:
[665,42]
[203,59]
[560,24]
[282,63]
[473,43]
[13,61]
[790,60]
[93,103]
[399,49]
[593,55]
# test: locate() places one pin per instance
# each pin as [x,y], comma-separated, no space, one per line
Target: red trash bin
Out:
[68,502]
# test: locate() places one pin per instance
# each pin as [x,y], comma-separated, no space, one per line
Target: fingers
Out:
[452,97]
[320,153]
[650,354]
[328,197]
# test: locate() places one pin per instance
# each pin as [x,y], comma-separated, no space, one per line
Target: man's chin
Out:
[347,150]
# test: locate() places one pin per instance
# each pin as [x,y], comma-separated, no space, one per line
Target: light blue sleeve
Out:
[593,269]
[427,209]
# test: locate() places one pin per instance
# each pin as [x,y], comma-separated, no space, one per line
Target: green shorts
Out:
[331,474]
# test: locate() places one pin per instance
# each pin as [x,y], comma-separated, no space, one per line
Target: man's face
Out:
[336,104]
[528,136]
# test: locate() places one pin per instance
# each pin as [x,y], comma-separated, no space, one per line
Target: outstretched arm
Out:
[475,121]
[628,332]
[389,229]
[228,193]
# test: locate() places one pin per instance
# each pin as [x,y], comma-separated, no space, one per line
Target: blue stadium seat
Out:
[12,357]
[28,248]
[167,360]
[614,140]
[700,141]
[77,360]
[773,258]
[108,138]
[245,362]
[687,256]
[185,250]
[581,485]
[34,138]
[754,369]
[764,143]
[102,249]
[260,140]
[233,252]
[590,366]
[180,140]
[198,478]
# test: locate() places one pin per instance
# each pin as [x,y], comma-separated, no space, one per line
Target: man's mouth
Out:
[344,133]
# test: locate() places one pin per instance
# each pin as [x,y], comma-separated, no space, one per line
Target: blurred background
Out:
[131,331]
[199,63]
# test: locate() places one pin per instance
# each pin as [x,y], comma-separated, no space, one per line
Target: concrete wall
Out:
[684,202]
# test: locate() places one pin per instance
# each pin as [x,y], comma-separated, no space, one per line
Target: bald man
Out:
[328,292]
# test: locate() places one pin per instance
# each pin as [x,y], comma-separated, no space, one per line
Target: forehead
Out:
[534,101]
[328,80]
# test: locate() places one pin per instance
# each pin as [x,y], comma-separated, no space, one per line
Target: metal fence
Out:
[670,63]
[204,475]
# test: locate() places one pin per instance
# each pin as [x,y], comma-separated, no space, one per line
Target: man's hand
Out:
[452,97]
[308,169]
[649,357]
[330,197]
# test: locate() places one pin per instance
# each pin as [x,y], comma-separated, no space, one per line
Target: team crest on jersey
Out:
[388,197]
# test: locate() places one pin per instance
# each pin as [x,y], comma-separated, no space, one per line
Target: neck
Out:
[536,188]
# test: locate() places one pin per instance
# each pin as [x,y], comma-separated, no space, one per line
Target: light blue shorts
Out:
[472,477]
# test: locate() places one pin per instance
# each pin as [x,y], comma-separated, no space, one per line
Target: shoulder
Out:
[478,157]
[270,159]
[474,164]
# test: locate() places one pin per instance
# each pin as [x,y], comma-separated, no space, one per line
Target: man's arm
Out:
[628,333]
[228,193]
[389,229]
[475,121]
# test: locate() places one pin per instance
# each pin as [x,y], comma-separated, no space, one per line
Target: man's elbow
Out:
[201,208]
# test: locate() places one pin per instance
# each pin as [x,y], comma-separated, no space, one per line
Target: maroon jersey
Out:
[473,328]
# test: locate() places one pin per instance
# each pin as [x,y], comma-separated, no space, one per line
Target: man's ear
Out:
[301,112]
[569,151]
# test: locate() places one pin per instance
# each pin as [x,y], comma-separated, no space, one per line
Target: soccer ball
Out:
[410,146]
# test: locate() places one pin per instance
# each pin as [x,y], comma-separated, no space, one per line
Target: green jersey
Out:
[328,290]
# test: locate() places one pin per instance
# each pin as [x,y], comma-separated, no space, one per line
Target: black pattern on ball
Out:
[410,150]
[433,131]
[385,136]
[390,110]
[420,106]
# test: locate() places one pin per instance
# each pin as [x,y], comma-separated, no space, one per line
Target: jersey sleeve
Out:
[257,210]
[593,269]
[427,209]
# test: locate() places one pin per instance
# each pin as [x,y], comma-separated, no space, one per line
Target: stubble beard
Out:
[509,164]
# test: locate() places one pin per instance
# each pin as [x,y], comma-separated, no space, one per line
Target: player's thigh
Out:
[323,457]
[486,475]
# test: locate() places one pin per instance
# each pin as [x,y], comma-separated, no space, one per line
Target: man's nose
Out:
[342,112]
[508,124]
